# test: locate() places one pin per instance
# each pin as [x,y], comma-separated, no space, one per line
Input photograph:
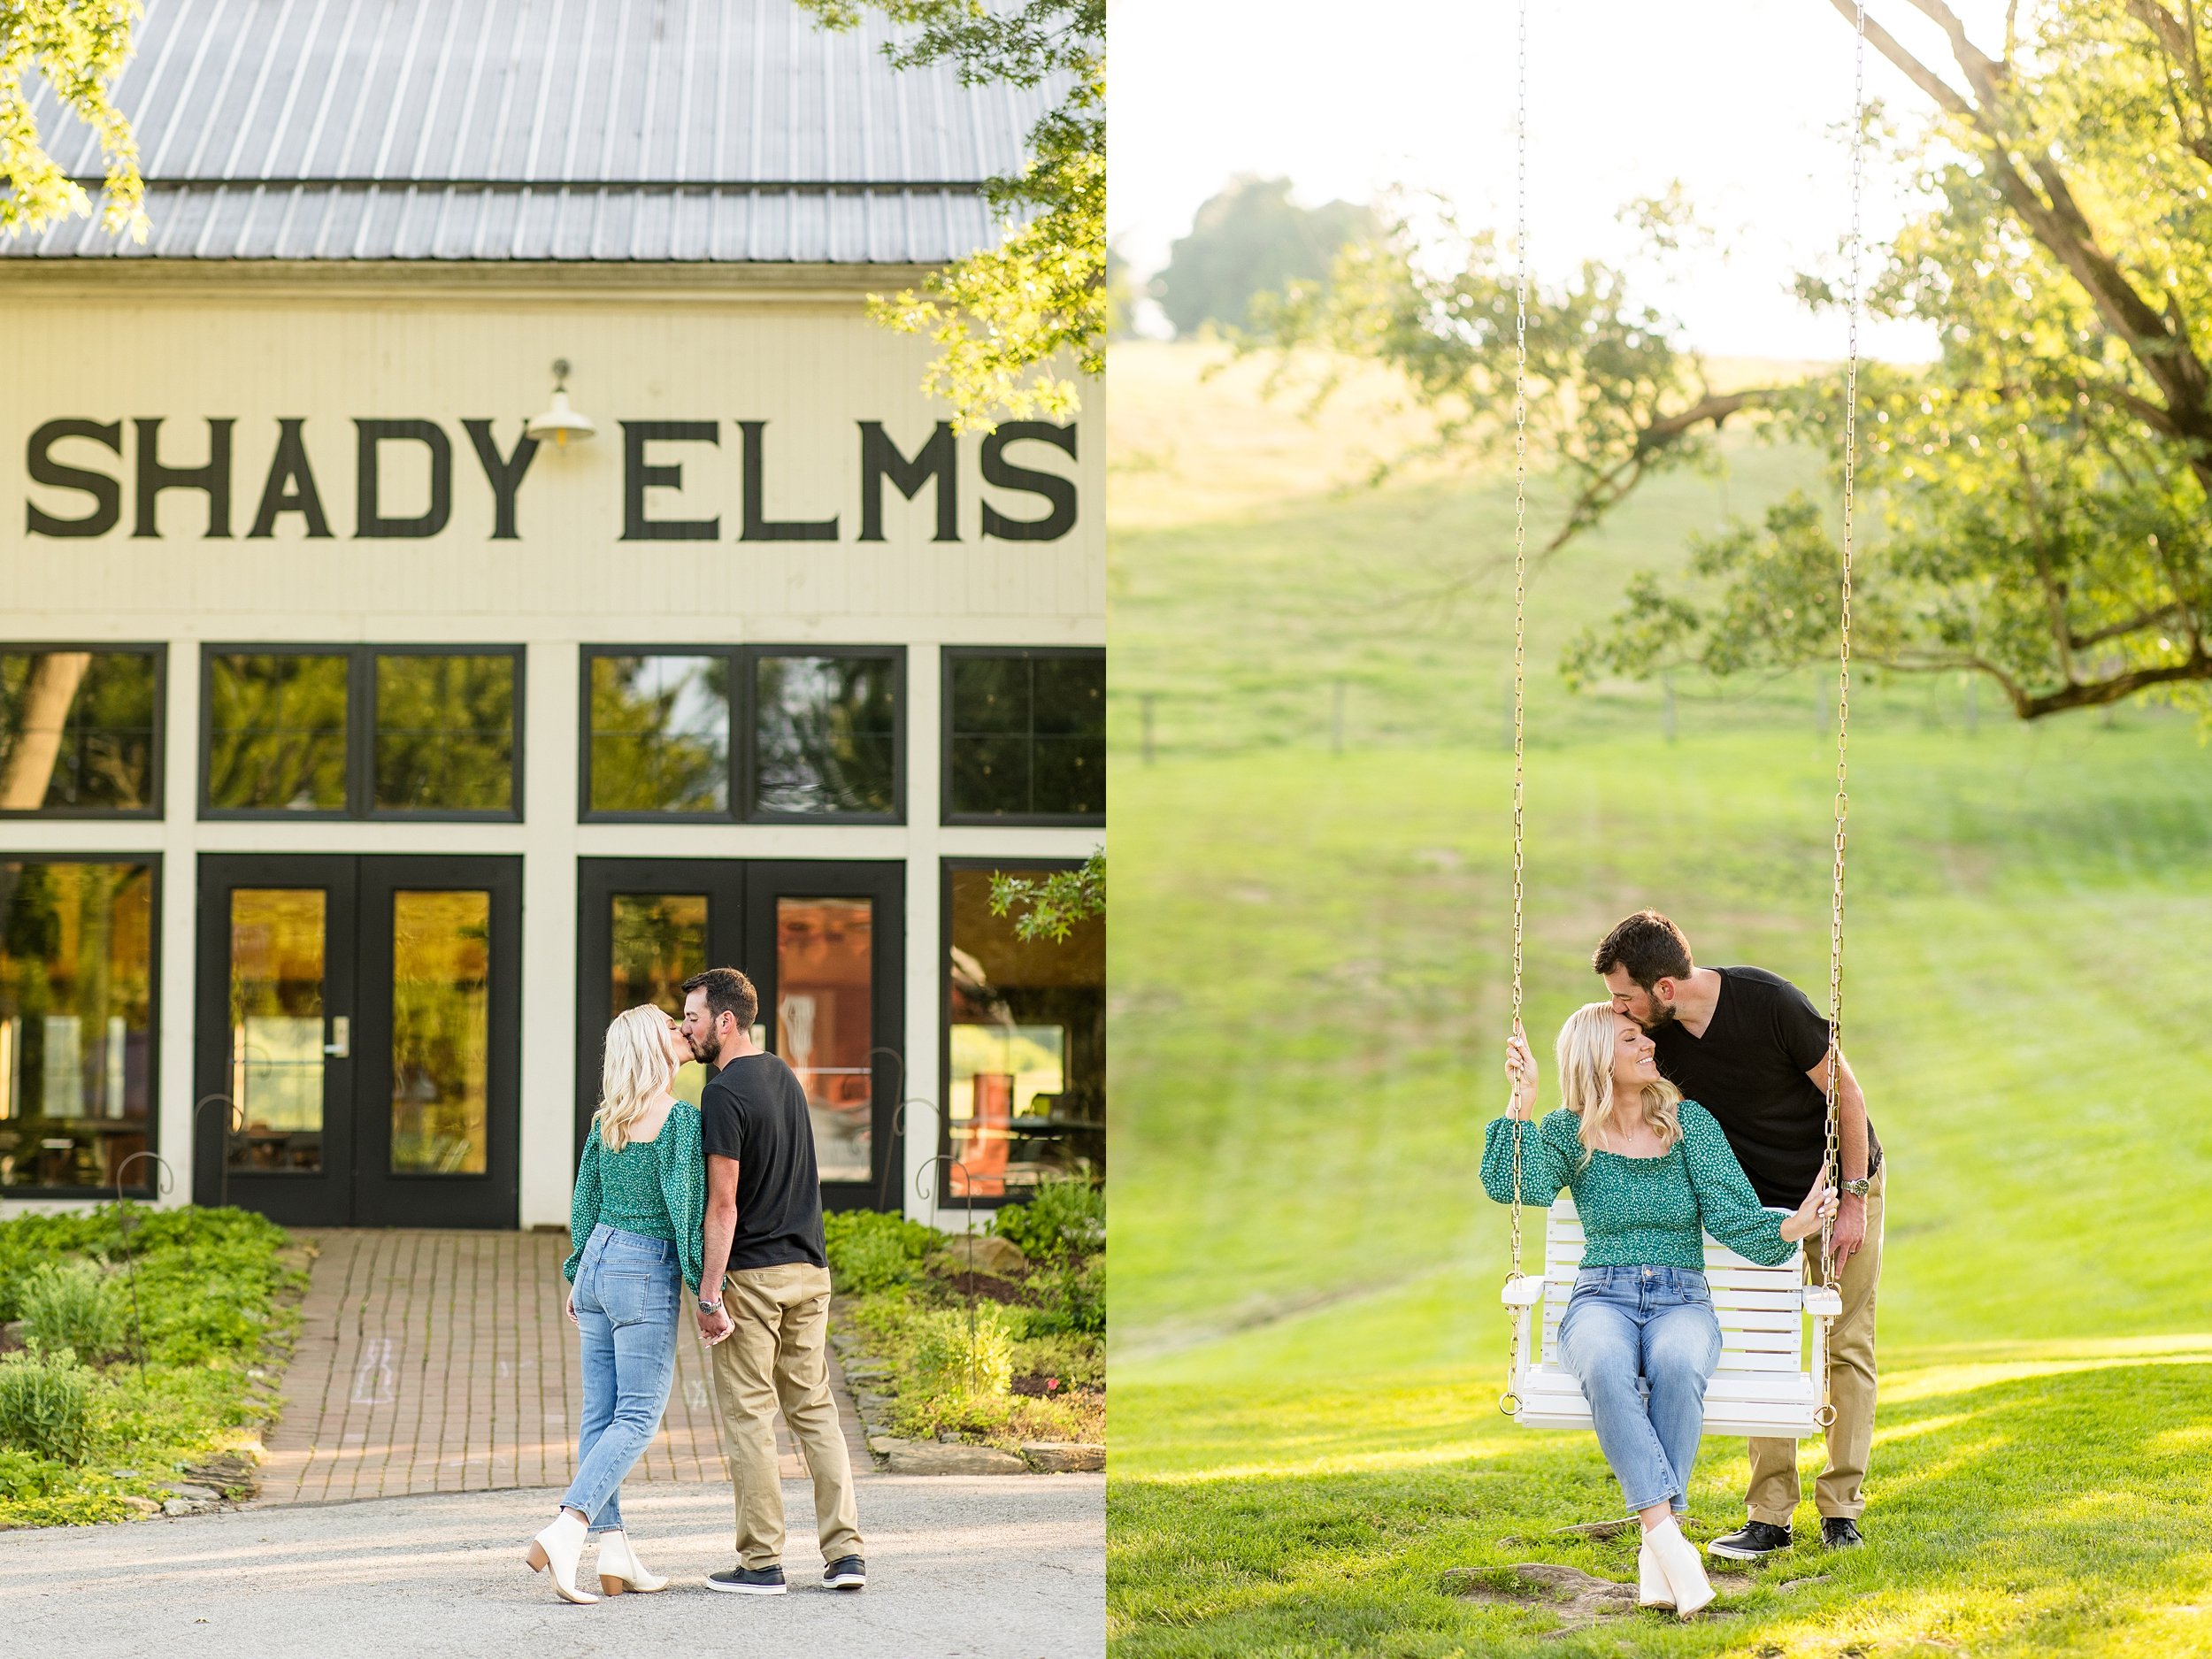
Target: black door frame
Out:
[742,932]
[354,1187]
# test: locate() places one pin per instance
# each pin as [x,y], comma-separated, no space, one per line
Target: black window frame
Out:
[947,867]
[360,806]
[149,1168]
[950,658]
[157,776]
[741,663]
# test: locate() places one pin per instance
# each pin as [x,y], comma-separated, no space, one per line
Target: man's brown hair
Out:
[728,992]
[1649,946]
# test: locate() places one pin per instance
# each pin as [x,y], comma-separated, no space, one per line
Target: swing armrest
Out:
[1819,1299]
[1525,1291]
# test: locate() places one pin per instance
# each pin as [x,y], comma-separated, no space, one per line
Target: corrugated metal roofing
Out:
[541,130]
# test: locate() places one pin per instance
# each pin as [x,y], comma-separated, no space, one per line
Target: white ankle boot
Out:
[1651,1582]
[1678,1564]
[561,1548]
[620,1569]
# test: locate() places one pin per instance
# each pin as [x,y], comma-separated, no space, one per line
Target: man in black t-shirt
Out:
[1752,1050]
[768,1319]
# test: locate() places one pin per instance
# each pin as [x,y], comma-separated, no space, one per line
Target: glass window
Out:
[659,941]
[441,1032]
[445,732]
[76,1029]
[825,1030]
[1026,1045]
[77,731]
[1027,735]
[660,734]
[277,961]
[277,732]
[824,735]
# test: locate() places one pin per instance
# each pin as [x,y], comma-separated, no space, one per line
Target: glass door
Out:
[358,1051]
[645,926]
[824,948]
[821,942]
[440,1043]
[276,1015]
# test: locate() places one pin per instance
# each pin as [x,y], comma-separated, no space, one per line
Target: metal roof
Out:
[709,130]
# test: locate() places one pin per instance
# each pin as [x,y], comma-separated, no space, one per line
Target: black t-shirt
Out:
[1748,1071]
[754,1111]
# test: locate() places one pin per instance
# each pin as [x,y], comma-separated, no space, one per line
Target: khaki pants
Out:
[1774,1490]
[775,1357]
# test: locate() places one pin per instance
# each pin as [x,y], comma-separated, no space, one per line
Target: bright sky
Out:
[1745,101]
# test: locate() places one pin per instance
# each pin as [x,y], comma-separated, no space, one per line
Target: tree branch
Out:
[2155,334]
[2174,610]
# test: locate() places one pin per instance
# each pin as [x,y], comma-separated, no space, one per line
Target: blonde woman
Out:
[1651,1173]
[641,1195]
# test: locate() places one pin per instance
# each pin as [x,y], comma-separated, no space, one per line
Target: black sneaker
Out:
[1756,1540]
[1839,1531]
[747,1581]
[847,1572]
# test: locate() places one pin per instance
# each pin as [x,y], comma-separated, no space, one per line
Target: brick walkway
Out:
[442,1362]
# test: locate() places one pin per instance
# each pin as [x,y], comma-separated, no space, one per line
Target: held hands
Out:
[1520,1065]
[716,1325]
[1819,1207]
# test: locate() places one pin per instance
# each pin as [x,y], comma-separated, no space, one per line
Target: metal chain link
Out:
[1509,1402]
[1831,1166]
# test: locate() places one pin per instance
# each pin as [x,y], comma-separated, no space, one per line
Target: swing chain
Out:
[1509,1401]
[1831,1165]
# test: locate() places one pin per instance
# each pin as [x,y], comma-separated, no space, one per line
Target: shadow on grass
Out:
[2062,1513]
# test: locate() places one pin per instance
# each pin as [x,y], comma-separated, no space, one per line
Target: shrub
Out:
[1063,1218]
[45,1405]
[948,1357]
[1074,1299]
[871,1251]
[71,1304]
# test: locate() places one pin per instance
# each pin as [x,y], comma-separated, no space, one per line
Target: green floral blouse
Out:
[1639,1211]
[656,1188]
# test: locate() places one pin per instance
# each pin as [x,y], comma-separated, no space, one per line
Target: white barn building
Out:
[360,756]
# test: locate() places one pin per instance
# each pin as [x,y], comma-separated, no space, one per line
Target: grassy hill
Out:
[1309,980]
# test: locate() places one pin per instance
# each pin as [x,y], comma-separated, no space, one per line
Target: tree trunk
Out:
[27,770]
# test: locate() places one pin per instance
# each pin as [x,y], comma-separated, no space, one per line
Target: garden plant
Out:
[993,1347]
[107,1399]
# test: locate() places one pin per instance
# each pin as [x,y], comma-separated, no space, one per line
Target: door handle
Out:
[341,1044]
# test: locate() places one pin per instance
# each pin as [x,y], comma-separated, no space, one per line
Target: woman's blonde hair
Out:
[1586,1079]
[639,1065]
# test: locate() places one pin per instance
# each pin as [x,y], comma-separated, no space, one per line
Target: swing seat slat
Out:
[1765,1386]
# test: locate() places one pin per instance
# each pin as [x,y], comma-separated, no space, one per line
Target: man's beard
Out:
[706,1047]
[1663,1015]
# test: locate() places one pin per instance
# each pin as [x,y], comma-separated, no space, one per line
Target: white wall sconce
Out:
[560,423]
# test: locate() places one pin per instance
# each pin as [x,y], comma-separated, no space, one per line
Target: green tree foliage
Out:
[78,46]
[1007,320]
[2032,504]
[1251,239]
[1048,907]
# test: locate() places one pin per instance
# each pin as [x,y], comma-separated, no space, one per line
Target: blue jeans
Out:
[1642,1341]
[629,1293]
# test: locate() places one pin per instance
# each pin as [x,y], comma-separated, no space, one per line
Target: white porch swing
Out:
[1766,1385]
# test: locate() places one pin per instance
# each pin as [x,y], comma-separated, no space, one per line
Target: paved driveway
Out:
[981,1568]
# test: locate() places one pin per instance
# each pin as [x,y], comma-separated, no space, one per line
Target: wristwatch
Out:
[708,1307]
[1858,1188]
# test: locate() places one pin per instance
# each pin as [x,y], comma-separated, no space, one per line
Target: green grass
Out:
[1310,982]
